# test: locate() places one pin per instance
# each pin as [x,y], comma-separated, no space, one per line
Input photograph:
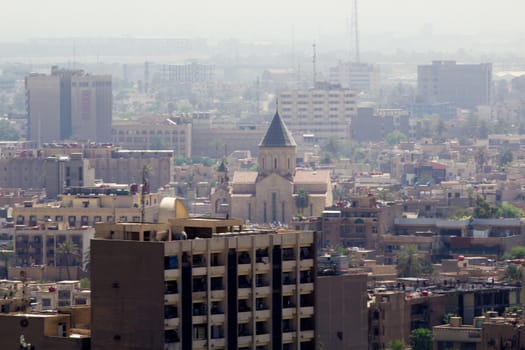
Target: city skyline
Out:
[489,23]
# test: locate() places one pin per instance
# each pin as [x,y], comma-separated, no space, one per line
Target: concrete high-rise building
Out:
[221,288]
[324,112]
[463,85]
[355,75]
[68,104]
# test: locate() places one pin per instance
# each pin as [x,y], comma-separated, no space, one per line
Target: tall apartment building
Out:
[68,104]
[463,85]
[324,112]
[371,125]
[222,288]
[355,75]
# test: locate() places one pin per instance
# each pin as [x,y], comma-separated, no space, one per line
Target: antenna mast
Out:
[355,30]
[313,63]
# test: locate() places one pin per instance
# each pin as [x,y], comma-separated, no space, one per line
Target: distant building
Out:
[370,125]
[187,73]
[154,133]
[463,85]
[324,112]
[69,104]
[355,76]
[270,195]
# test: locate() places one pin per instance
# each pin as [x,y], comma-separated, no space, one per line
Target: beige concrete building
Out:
[324,112]
[69,104]
[222,288]
[155,132]
[270,195]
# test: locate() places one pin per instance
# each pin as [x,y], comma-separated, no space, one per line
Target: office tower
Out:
[355,76]
[462,85]
[202,284]
[323,112]
[68,104]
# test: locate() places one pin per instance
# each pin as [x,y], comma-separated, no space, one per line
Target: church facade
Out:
[277,191]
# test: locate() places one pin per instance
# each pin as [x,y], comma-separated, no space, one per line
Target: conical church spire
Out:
[277,134]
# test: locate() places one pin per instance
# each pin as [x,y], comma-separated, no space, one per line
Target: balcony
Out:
[262,267]
[198,271]
[219,318]
[171,274]
[243,269]
[200,319]
[244,316]
[289,336]
[245,340]
[307,311]
[289,289]
[217,343]
[306,287]
[217,294]
[262,291]
[199,344]
[262,314]
[262,339]
[307,263]
[243,292]
[171,323]
[289,265]
[217,270]
[171,298]
[289,312]
[307,335]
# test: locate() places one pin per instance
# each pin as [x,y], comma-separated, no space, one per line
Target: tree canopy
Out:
[421,339]
[410,263]
[395,137]
[486,210]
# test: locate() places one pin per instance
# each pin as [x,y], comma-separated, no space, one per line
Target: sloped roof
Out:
[277,134]
[244,177]
[312,177]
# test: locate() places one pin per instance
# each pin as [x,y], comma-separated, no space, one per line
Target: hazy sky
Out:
[257,20]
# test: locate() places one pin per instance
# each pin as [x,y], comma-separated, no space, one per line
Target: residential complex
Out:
[325,111]
[200,283]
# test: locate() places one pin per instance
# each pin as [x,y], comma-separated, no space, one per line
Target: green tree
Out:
[506,158]
[484,210]
[7,132]
[395,137]
[397,344]
[301,200]
[409,262]
[421,339]
[68,251]
[512,273]
[509,211]
[517,252]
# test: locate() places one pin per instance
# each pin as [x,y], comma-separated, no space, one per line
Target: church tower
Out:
[277,150]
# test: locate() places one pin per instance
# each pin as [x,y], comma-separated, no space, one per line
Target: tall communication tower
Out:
[314,56]
[354,31]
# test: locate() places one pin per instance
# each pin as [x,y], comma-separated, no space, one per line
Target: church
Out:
[277,191]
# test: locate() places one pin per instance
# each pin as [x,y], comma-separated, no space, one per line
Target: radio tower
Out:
[313,63]
[354,31]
